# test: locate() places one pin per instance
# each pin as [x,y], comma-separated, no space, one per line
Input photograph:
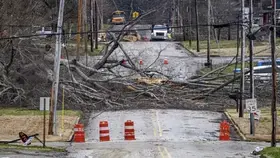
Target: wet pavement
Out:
[161,134]
[159,125]
[181,63]
[212,149]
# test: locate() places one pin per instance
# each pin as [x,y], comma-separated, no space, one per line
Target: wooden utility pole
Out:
[274,79]
[79,29]
[229,33]
[50,131]
[91,25]
[178,16]
[57,62]
[242,80]
[251,47]
[197,28]
[237,54]
[184,20]
[174,15]
[208,32]
[85,24]
[101,14]
[251,51]
[44,124]
[96,25]
[190,22]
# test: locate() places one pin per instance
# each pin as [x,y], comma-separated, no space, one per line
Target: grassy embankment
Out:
[15,120]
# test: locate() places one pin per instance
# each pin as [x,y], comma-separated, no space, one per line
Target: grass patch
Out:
[215,45]
[106,26]
[72,49]
[32,148]
[96,51]
[273,152]
[22,112]
[14,120]
[262,127]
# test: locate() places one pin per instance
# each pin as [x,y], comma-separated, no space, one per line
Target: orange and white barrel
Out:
[165,61]
[141,62]
[129,133]
[79,134]
[104,131]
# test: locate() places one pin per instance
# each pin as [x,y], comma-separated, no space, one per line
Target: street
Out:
[181,63]
[160,134]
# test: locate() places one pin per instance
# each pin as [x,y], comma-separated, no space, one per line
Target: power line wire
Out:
[114,31]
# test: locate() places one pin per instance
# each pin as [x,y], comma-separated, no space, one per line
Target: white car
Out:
[159,32]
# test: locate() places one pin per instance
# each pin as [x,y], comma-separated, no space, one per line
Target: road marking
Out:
[160,151]
[167,153]
[154,126]
[159,127]
[163,153]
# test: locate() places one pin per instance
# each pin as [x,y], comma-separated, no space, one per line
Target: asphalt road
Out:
[181,63]
[161,134]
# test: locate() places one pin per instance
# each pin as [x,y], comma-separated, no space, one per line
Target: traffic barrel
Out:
[79,134]
[141,62]
[129,133]
[165,61]
[224,131]
[104,131]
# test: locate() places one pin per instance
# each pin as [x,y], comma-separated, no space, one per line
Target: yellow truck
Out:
[118,17]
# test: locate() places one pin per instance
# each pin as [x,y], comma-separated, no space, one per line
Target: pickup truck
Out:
[159,32]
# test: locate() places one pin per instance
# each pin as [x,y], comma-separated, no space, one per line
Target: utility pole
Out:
[96,25]
[197,28]
[251,46]
[57,61]
[237,54]
[178,16]
[229,33]
[85,24]
[274,84]
[91,25]
[183,19]
[173,15]
[79,29]
[190,22]
[242,85]
[101,14]
[209,32]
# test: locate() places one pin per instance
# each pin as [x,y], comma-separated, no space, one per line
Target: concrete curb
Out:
[71,135]
[193,53]
[235,126]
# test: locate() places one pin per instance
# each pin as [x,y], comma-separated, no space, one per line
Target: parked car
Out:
[263,73]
